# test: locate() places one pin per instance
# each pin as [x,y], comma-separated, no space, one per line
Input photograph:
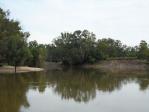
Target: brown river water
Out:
[83,90]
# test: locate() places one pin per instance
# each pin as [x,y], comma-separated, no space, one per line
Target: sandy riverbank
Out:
[20,69]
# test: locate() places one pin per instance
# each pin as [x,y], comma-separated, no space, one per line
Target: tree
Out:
[18,51]
[143,52]
[37,54]
[110,48]
[131,51]
[13,41]
[3,34]
[74,48]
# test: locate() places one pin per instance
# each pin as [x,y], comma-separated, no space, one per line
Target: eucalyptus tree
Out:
[13,41]
[110,47]
[75,48]
[37,55]
[143,52]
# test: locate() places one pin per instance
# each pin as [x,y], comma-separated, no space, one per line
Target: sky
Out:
[125,20]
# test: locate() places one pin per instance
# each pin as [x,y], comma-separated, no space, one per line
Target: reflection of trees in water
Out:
[107,83]
[12,94]
[13,90]
[143,82]
[73,85]
[79,85]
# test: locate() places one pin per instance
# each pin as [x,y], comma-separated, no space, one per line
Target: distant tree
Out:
[37,54]
[53,53]
[131,51]
[143,52]
[74,48]
[110,48]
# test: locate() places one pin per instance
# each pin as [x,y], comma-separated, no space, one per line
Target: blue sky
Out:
[126,20]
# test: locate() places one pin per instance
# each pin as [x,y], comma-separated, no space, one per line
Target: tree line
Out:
[74,48]
[82,47]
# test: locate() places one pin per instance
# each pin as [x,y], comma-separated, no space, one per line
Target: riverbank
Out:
[113,65]
[120,66]
[20,69]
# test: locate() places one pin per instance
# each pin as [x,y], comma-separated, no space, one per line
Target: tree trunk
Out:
[15,69]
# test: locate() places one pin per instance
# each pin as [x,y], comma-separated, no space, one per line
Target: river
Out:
[74,90]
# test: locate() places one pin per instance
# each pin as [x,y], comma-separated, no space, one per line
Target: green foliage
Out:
[81,47]
[14,49]
[143,50]
[74,48]
[131,51]
[13,41]
[111,48]
[37,54]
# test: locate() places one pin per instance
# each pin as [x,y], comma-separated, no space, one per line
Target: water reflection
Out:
[12,93]
[81,86]
[78,85]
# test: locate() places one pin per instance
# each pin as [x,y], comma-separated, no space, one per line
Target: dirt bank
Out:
[53,66]
[21,69]
[125,66]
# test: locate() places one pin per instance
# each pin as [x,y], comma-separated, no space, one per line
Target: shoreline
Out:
[113,65]
[120,66]
[19,69]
